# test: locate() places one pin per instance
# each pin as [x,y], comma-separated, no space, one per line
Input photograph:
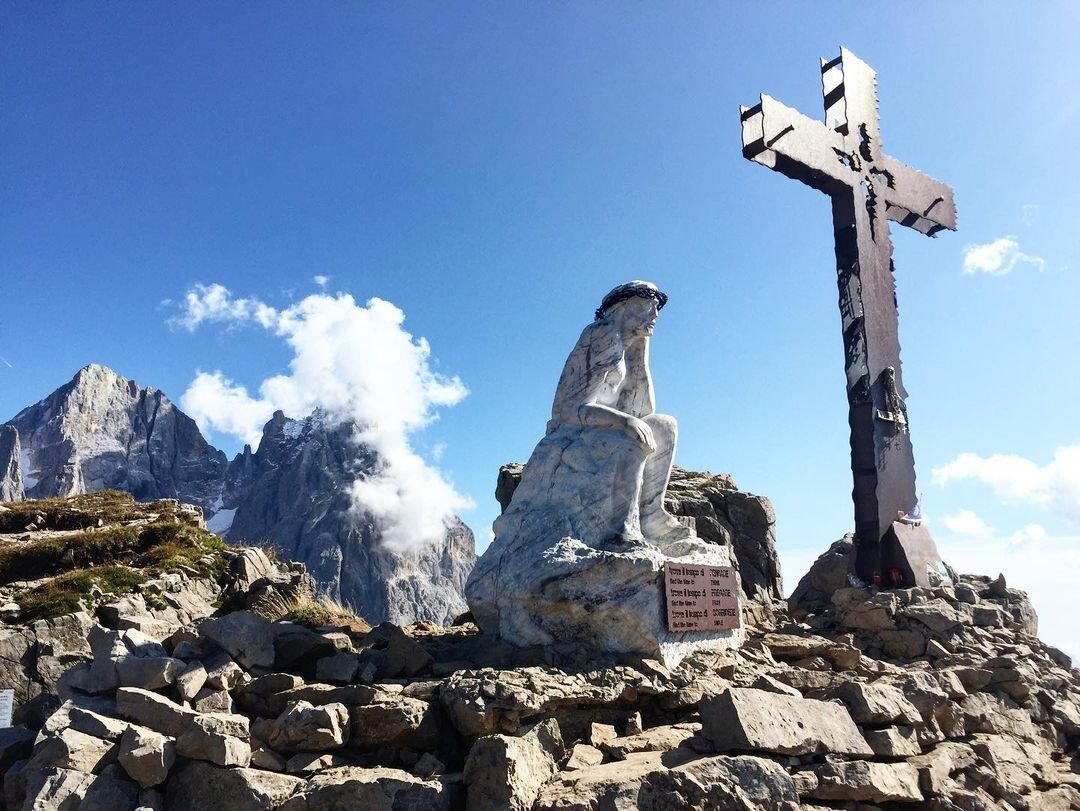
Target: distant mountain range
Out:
[103,431]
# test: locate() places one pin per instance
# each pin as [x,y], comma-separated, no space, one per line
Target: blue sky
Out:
[493,169]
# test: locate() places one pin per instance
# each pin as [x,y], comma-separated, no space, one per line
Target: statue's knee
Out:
[663,423]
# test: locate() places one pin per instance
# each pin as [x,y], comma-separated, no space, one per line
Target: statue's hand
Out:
[640,431]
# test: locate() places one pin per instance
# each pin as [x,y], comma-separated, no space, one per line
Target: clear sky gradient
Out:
[494,168]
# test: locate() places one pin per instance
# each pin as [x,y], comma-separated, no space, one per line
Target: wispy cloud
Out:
[967,523]
[362,367]
[214,303]
[998,258]
[1054,486]
[321,280]
[1030,213]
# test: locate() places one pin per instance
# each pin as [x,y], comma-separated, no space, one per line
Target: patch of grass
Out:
[314,612]
[33,559]
[64,594]
[78,512]
[159,547]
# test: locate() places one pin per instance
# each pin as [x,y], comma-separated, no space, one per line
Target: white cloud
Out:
[361,366]
[321,280]
[965,522]
[1032,533]
[1054,486]
[216,404]
[214,303]
[998,257]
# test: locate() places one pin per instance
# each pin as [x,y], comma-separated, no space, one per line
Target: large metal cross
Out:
[843,158]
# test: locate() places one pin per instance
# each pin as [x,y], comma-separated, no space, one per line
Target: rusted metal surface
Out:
[843,158]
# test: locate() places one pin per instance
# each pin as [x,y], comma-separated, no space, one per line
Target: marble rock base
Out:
[609,600]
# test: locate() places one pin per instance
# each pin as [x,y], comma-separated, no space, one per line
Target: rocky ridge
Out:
[940,699]
[102,431]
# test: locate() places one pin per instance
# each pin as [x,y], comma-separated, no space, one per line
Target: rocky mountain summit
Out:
[916,698]
[102,431]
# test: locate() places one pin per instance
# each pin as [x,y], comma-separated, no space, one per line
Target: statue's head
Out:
[639,301]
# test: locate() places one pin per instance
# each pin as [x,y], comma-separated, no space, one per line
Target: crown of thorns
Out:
[631,290]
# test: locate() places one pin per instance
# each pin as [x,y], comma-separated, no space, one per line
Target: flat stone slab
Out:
[748,720]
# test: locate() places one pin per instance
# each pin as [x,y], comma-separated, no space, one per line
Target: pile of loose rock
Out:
[843,710]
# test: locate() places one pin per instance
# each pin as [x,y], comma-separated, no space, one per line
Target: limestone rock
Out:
[146,756]
[655,781]
[507,772]
[654,739]
[153,711]
[744,719]
[893,742]
[11,479]
[218,738]
[583,756]
[247,637]
[877,704]
[487,701]
[827,575]
[408,722]
[197,786]
[377,789]
[865,781]
[304,727]
[149,673]
[56,790]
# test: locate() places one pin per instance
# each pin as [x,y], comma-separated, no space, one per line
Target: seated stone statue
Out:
[579,551]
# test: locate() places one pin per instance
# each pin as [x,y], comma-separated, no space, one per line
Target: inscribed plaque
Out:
[701,598]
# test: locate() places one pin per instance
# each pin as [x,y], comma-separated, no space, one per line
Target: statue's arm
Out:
[581,387]
[636,396]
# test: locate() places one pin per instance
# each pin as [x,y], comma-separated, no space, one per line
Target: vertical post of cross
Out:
[844,158]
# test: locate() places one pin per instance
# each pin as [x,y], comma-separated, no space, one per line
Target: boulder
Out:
[218,738]
[191,680]
[56,789]
[146,756]
[483,702]
[507,773]
[864,781]
[153,710]
[247,637]
[111,790]
[312,762]
[340,668]
[304,727]
[402,655]
[15,744]
[71,749]
[377,789]
[744,719]
[583,756]
[654,739]
[198,786]
[149,673]
[877,704]
[655,781]
[399,722]
[893,742]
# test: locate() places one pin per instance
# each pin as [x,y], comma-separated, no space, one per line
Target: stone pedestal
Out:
[561,570]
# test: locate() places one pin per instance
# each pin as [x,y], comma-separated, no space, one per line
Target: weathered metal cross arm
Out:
[917,200]
[784,139]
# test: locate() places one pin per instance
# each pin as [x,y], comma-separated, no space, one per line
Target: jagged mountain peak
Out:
[104,431]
